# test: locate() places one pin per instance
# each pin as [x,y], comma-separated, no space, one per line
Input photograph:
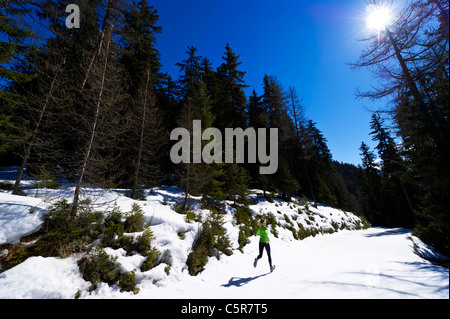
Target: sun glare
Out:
[378,17]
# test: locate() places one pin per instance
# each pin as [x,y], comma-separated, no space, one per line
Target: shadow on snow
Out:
[239,282]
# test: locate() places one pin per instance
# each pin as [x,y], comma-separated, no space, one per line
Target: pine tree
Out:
[17,35]
[15,39]
[192,176]
[396,199]
[320,165]
[77,46]
[370,186]
[39,101]
[235,182]
[285,182]
[100,119]
[256,113]
[230,100]
[191,74]
[140,61]
[195,175]
[140,56]
[257,117]
[295,110]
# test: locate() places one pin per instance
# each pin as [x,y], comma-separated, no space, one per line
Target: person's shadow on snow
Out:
[239,282]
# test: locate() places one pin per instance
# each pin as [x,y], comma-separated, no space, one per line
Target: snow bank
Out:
[19,216]
[40,277]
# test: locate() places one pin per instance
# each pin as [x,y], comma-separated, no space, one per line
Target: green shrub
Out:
[288,220]
[223,245]
[64,233]
[142,244]
[127,282]
[99,267]
[242,238]
[17,256]
[113,229]
[335,225]
[134,221]
[152,259]
[77,294]
[247,224]
[196,261]
[212,241]
[293,231]
[44,179]
[190,216]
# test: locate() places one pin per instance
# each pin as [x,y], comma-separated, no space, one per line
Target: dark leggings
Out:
[261,250]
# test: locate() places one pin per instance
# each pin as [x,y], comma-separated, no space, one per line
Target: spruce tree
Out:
[370,187]
[141,65]
[15,41]
[319,165]
[396,199]
[191,74]
[230,100]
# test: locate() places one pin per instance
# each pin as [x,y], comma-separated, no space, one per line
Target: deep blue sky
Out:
[305,44]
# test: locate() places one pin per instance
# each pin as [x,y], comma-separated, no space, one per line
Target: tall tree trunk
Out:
[93,134]
[27,151]
[106,24]
[141,140]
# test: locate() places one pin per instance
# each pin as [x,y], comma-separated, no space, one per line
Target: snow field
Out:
[371,263]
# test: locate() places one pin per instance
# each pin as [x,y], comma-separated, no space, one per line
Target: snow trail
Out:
[372,263]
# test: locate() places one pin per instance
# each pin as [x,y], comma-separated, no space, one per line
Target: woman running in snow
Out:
[263,242]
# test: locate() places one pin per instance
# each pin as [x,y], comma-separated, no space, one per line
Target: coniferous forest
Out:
[92,105]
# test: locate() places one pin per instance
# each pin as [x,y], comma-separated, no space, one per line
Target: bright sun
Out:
[378,17]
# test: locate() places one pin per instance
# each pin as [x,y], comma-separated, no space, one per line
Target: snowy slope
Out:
[372,263]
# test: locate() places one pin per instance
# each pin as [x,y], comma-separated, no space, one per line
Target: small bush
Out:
[242,238]
[196,261]
[335,225]
[143,242]
[113,229]
[247,228]
[127,282]
[134,221]
[45,179]
[212,241]
[64,233]
[288,220]
[152,259]
[99,267]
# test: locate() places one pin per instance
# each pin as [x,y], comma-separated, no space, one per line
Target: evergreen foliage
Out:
[412,66]
[212,241]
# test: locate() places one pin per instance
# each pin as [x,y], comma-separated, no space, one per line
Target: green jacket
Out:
[263,233]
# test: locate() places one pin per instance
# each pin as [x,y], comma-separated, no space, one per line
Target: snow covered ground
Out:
[371,263]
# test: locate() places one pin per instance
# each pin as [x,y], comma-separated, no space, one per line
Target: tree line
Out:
[93,105]
[410,60]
